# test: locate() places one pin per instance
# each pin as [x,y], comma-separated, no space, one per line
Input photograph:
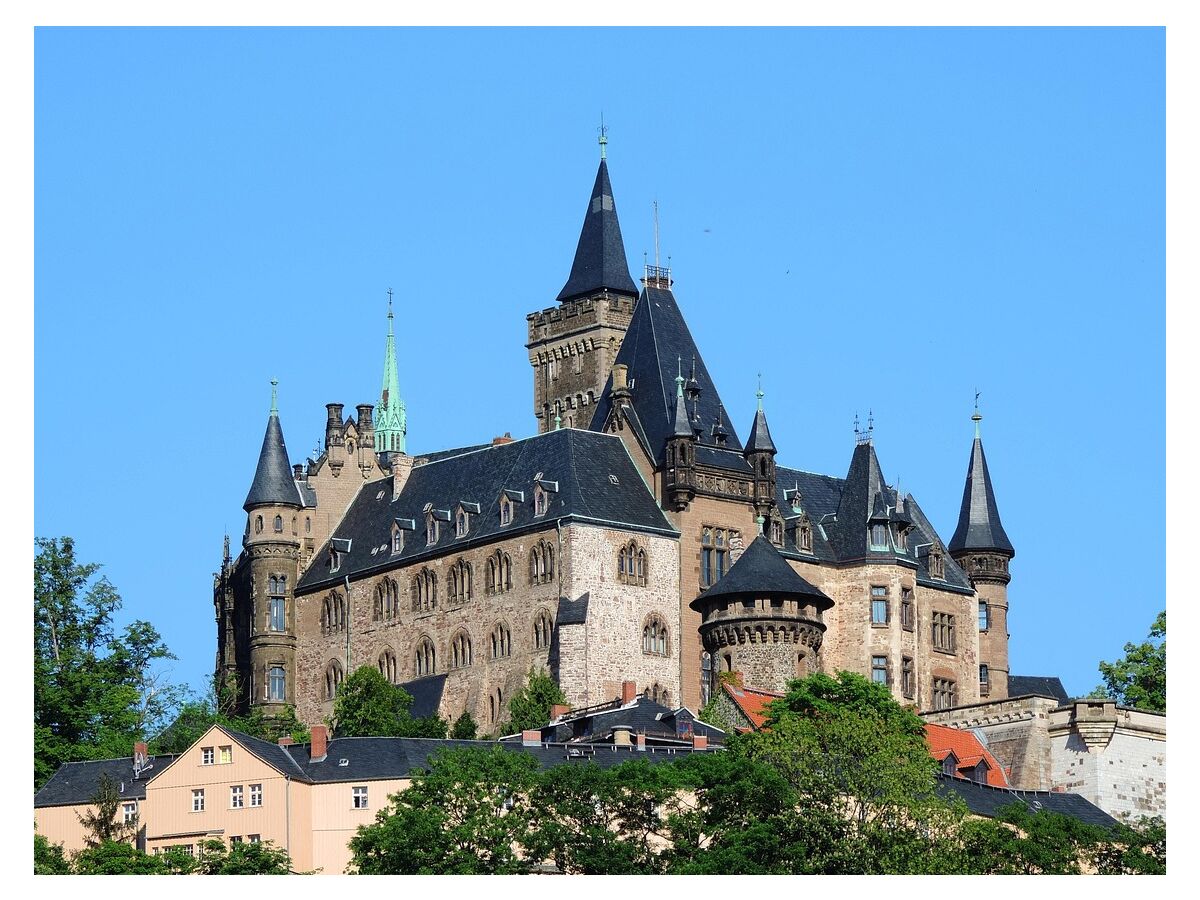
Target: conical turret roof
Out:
[600,256]
[979,525]
[760,436]
[761,571]
[273,481]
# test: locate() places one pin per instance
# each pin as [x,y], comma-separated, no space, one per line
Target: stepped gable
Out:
[578,471]
[761,571]
[600,255]
[979,525]
[656,343]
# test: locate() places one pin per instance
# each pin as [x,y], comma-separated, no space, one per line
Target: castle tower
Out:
[391,419]
[572,346]
[272,548]
[762,619]
[983,550]
[760,454]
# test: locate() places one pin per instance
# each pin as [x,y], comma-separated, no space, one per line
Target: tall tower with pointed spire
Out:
[266,621]
[983,550]
[760,454]
[391,417]
[572,345]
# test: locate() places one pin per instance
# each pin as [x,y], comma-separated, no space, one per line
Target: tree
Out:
[466,815]
[1139,679]
[196,716]
[104,822]
[113,858]
[48,858]
[1134,848]
[1021,841]
[96,690]
[464,728]
[530,708]
[368,705]
[246,858]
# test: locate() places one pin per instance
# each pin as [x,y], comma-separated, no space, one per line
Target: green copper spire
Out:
[391,417]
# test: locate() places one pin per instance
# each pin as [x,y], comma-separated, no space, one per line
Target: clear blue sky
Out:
[880,219]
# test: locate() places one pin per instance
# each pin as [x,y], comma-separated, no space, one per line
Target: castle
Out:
[634,537]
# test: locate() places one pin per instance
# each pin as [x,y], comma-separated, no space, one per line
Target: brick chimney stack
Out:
[320,742]
[699,741]
[641,740]
[629,692]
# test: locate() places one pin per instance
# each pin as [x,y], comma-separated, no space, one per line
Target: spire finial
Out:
[557,420]
[679,376]
[977,418]
[274,400]
[760,394]
[760,521]
[603,136]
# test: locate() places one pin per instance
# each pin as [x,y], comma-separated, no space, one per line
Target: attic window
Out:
[777,532]
[343,762]
[505,511]
[461,523]
[937,564]
[335,560]
[950,764]
[804,536]
[539,502]
[879,540]
[613,479]
[431,530]
[397,539]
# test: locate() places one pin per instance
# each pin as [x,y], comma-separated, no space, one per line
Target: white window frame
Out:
[208,756]
[128,812]
[225,755]
[359,797]
[237,796]
[198,800]
[256,795]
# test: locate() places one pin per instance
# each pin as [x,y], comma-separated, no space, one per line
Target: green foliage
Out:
[114,858]
[1139,679]
[712,715]
[196,716]
[531,707]
[465,816]
[96,689]
[1134,848]
[464,728]
[1020,841]
[368,705]
[48,858]
[214,858]
[103,822]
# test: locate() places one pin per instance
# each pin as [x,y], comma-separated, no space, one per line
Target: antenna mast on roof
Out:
[656,262]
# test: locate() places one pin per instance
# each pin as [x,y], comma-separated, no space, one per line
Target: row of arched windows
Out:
[387,600]
[631,564]
[654,637]
[541,563]
[333,613]
[424,591]
[499,573]
[461,582]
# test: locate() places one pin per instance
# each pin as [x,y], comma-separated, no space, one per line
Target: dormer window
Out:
[777,532]
[505,511]
[937,563]
[879,539]
[461,523]
[901,539]
[335,560]
[804,536]
[950,764]
[431,530]
[539,502]
[397,539]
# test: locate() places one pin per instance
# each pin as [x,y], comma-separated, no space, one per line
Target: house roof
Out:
[751,703]
[642,715]
[761,570]
[968,750]
[656,343]
[427,695]
[987,800]
[979,525]
[273,481]
[1041,685]
[76,783]
[600,255]
[597,483]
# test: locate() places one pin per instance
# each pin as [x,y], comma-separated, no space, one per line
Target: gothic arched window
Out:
[501,642]
[460,651]
[333,613]
[654,636]
[631,564]
[543,628]
[387,666]
[333,679]
[461,587]
[541,563]
[424,591]
[499,573]
[387,600]
[425,658]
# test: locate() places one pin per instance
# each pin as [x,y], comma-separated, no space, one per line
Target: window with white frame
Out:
[984,619]
[208,756]
[198,800]
[128,812]
[256,795]
[236,796]
[359,796]
[225,754]
[254,838]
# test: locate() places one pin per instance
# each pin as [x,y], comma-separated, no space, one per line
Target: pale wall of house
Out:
[60,825]
[335,820]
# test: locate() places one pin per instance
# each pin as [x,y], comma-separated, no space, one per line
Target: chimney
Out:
[298,471]
[505,438]
[641,740]
[402,465]
[285,741]
[366,426]
[622,735]
[699,741]
[629,692]
[335,431]
[558,710]
[320,738]
[531,737]
[620,381]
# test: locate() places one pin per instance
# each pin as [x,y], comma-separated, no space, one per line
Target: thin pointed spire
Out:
[976,418]
[759,439]
[683,426]
[391,416]
[979,526]
[603,137]
[273,481]
[760,394]
[600,261]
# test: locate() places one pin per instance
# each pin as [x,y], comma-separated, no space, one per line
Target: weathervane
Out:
[603,135]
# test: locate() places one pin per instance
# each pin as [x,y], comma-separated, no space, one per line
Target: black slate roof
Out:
[597,483]
[643,715]
[979,525]
[985,800]
[1041,685]
[761,570]
[573,612]
[821,500]
[655,344]
[273,481]
[600,255]
[76,783]
[760,435]
[427,695]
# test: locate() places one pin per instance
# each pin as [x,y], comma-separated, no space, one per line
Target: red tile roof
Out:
[967,750]
[751,702]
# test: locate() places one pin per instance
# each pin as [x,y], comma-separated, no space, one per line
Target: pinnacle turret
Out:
[391,416]
[273,481]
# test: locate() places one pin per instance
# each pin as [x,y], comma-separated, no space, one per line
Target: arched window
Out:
[460,651]
[424,591]
[295,530]
[543,628]
[460,523]
[658,694]
[501,642]
[461,582]
[333,613]
[541,563]
[654,636]
[278,524]
[258,524]
[499,573]
[277,604]
[777,532]
[505,511]
[387,600]
[397,539]
[431,530]
[308,524]
[804,536]
[425,658]
[333,679]
[387,665]
[539,501]
[631,564]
